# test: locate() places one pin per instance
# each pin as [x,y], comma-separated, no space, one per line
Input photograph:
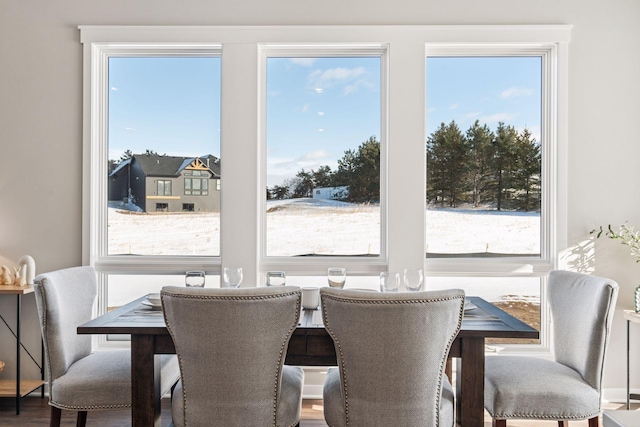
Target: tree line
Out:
[500,169]
[358,169]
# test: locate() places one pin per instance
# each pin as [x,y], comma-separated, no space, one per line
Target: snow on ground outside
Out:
[314,226]
[343,227]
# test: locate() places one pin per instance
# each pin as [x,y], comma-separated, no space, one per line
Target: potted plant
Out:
[630,237]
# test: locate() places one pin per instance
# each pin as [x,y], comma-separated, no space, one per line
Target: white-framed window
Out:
[492,117]
[244,145]
[323,125]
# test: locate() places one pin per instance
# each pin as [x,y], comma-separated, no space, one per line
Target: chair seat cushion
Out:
[289,403]
[102,380]
[518,387]
[334,413]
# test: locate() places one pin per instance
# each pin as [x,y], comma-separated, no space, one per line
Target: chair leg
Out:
[82,419]
[593,422]
[499,423]
[56,413]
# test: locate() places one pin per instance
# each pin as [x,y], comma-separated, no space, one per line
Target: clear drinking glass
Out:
[276,278]
[232,277]
[194,278]
[413,279]
[337,277]
[389,281]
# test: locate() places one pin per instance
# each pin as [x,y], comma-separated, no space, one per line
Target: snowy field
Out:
[307,226]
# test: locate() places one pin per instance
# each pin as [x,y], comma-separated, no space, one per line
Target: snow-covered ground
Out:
[312,226]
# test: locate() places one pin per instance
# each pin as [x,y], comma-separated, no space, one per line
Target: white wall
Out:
[41,118]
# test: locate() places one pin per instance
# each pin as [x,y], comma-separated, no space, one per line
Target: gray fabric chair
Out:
[568,387]
[231,344]
[80,380]
[392,350]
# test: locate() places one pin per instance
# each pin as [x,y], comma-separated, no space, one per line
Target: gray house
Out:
[167,183]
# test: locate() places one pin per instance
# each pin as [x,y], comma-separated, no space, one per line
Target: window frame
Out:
[164,187]
[95,186]
[553,144]
[318,265]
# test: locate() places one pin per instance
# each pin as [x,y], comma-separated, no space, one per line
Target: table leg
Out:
[145,382]
[470,383]
[18,345]
[628,384]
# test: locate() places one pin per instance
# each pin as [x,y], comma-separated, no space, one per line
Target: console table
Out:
[634,317]
[20,388]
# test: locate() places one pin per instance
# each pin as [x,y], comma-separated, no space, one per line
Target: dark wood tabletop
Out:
[310,345]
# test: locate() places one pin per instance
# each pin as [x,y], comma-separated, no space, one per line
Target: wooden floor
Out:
[35,413]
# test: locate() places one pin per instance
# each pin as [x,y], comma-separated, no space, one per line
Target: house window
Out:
[324,129]
[145,99]
[485,149]
[188,207]
[164,187]
[490,148]
[196,186]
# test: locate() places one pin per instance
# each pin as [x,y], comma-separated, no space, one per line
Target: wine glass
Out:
[194,278]
[337,277]
[232,277]
[389,281]
[413,279]
[275,278]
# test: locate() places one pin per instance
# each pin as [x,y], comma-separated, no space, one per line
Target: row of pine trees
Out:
[498,169]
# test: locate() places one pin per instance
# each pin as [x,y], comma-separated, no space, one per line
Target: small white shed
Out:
[332,193]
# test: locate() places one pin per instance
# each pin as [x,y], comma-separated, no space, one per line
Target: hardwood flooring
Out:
[35,413]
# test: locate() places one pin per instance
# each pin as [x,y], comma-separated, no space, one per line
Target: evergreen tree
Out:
[503,163]
[479,141]
[360,171]
[528,171]
[322,177]
[447,165]
[303,184]
[280,192]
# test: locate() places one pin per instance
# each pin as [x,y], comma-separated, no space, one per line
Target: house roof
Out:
[172,165]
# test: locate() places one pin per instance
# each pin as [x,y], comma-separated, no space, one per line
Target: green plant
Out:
[626,234]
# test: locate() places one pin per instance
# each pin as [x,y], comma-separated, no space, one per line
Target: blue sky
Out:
[317,108]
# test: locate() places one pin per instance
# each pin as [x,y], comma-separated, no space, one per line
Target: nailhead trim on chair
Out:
[380,302]
[241,298]
[560,417]
[52,402]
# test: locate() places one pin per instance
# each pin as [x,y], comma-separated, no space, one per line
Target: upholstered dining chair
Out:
[79,379]
[392,350]
[568,387]
[231,345]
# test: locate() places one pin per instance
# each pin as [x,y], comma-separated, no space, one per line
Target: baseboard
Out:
[617,395]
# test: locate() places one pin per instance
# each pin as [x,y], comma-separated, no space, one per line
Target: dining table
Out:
[310,345]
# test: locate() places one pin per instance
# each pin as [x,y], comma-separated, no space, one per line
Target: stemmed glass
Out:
[413,279]
[337,277]
[276,278]
[389,281]
[194,278]
[232,277]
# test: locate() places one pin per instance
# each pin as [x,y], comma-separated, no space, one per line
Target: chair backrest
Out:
[582,308]
[231,345]
[65,300]
[392,350]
